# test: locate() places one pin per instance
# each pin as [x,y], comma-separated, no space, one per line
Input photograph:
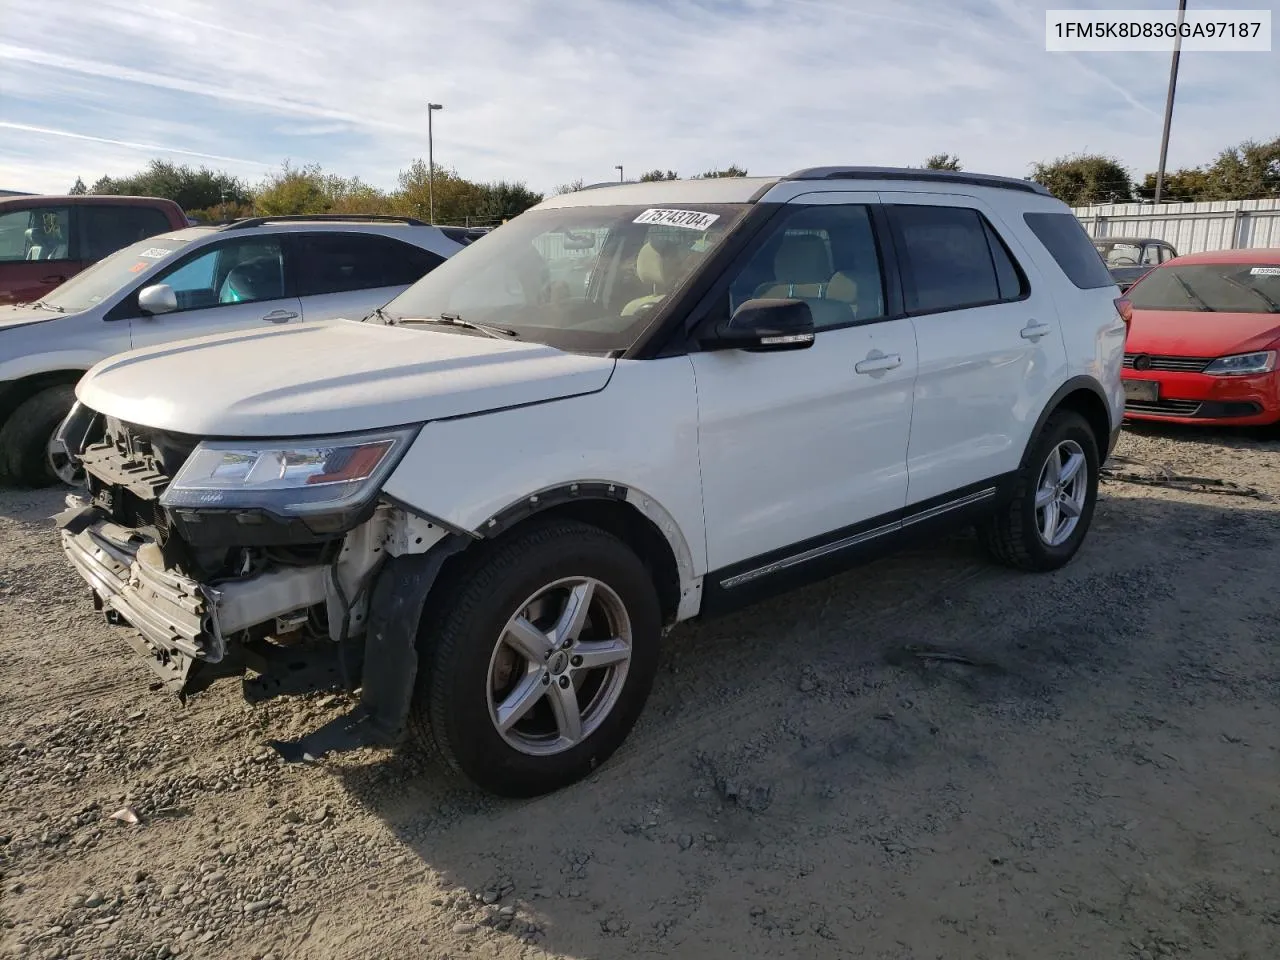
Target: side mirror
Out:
[766,325]
[157,298]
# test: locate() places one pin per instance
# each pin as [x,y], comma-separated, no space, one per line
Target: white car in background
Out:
[263,271]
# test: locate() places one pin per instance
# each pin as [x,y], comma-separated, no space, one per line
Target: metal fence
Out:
[1190,227]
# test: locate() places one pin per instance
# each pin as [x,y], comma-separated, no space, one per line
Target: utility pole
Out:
[1168,104]
[618,167]
[431,163]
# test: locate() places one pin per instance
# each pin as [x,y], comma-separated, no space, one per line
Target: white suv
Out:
[247,274]
[628,407]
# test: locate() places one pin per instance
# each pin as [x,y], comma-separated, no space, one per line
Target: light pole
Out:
[1168,104]
[618,167]
[431,162]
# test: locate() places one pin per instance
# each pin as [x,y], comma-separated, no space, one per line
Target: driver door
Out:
[804,453]
[239,283]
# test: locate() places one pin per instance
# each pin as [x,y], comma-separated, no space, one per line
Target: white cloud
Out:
[549,92]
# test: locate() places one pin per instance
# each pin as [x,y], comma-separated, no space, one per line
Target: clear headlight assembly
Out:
[289,478]
[1243,364]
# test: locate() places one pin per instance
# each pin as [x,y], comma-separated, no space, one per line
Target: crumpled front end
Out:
[290,604]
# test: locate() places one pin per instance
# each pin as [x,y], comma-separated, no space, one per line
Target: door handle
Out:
[280,316]
[56,278]
[878,362]
[1034,330]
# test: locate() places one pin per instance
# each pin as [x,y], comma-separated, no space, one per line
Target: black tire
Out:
[451,709]
[1012,537]
[25,436]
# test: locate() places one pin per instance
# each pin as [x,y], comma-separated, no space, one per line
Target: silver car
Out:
[190,283]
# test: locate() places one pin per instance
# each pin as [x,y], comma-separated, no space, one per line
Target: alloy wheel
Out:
[1061,492]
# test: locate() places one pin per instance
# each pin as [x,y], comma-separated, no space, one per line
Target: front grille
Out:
[1169,364]
[1167,408]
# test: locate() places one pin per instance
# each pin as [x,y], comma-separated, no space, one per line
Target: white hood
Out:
[19,316]
[313,379]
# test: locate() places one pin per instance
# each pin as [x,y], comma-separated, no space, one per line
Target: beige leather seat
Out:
[651,271]
[802,270]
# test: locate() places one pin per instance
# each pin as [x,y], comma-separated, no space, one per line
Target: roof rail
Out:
[910,173]
[323,218]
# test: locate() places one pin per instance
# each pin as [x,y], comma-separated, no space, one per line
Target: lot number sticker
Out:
[689,219]
[1265,271]
[154,253]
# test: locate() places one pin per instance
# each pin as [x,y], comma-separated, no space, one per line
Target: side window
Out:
[1151,254]
[1166,253]
[953,259]
[825,255]
[1010,279]
[338,262]
[234,271]
[1071,247]
[105,228]
[40,233]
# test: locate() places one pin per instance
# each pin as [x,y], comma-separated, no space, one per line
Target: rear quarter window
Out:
[1068,244]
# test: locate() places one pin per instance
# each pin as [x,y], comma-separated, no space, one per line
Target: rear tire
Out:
[505,645]
[1033,531]
[25,436]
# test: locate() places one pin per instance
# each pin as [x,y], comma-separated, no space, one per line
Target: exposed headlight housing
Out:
[1243,364]
[289,478]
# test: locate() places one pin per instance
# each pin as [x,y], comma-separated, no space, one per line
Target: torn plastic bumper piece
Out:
[390,669]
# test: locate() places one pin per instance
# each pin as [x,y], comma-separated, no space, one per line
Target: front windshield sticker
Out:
[689,219]
[155,253]
[1265,271]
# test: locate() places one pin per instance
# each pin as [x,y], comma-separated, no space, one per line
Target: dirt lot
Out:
[1095,773]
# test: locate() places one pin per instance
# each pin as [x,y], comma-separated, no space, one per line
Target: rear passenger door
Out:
[351,274]
[990,349]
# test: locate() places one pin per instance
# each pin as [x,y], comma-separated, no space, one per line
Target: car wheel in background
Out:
[26,435]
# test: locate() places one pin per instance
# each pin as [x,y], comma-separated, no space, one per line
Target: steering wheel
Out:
[1125,262]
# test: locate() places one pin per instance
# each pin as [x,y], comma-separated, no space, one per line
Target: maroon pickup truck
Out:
[46,240]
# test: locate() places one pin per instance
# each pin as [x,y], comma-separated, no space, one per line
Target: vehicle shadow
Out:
[851,769]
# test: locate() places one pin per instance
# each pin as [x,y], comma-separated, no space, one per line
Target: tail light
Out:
[1124,307]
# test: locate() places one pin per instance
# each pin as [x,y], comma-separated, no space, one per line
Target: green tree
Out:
[503,200]
[572,187]
[1190,184]
[733,170]
[943,161]
[292,191]
[655,175]
[78,189]
[1085,178]
[191,189]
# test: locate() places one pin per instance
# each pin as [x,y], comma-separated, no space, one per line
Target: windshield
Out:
[1119,253]
[98,282]
[1210,287]
[579,278]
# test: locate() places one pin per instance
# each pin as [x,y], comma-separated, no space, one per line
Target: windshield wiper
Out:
[42,305]
[1192,294]
[382,315]
[453,320]
[1272,306]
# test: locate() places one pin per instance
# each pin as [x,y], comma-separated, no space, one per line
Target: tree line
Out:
[214,196]
[1249,170]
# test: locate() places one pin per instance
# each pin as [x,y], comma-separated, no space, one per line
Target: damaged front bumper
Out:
[181,625]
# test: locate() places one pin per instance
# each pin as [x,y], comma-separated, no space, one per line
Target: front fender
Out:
[639,434]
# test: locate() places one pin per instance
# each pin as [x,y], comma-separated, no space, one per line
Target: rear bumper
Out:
[1197,398]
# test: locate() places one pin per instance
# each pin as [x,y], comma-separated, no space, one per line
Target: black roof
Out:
[912,173]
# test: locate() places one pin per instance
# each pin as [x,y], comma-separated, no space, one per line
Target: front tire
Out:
[1056,490]
[541,661]
[25,436]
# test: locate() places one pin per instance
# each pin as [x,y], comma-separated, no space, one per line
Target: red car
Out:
[1204,331]
[46,240]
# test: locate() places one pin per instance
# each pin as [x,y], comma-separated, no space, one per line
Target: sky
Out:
[549,91]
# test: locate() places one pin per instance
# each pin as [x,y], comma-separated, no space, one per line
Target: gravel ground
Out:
[929,757]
